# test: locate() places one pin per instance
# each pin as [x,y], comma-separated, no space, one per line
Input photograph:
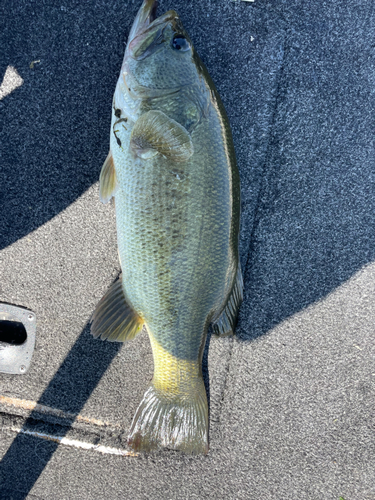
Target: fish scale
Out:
[173,173]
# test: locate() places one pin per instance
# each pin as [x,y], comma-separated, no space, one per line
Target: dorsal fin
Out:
[226,322]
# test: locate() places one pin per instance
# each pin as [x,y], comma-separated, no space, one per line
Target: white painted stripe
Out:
[33,405]
[76,444]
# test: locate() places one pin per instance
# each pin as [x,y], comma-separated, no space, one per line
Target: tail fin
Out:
[169,421]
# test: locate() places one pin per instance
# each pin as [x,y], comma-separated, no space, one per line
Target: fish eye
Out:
[179,42]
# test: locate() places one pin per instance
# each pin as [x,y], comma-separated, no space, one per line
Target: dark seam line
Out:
[226,377]
[271,141]
[257,217]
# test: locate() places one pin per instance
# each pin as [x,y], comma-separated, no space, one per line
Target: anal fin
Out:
[226,322]
[113,318]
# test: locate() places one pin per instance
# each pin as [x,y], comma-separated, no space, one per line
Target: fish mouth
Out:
[146,35]
[146,15]
[147,27]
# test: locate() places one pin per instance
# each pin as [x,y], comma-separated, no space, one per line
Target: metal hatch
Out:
[17,338]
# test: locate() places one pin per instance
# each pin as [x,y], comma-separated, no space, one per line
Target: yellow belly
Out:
[177,377]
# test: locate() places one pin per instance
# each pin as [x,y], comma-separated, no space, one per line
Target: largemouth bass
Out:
[172,170]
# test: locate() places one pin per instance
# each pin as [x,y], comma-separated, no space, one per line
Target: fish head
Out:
[159,57]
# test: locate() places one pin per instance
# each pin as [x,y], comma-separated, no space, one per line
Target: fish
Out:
[172,171]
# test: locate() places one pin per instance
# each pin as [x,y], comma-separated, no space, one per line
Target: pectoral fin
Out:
[155,133]
[107,180]
[226,322]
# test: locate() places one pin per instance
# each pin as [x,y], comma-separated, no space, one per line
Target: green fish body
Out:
[172,170]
